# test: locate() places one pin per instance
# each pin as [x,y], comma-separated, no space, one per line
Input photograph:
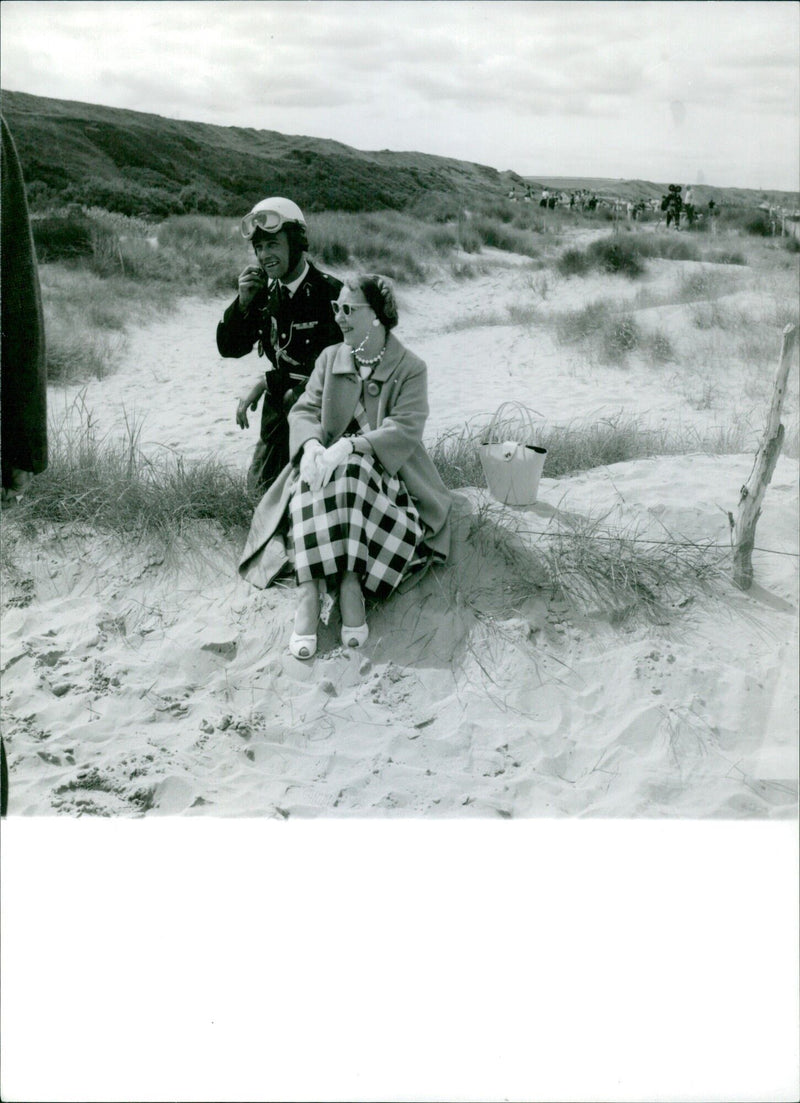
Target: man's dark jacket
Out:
[290,332]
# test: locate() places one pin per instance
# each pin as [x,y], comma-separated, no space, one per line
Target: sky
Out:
[702,91]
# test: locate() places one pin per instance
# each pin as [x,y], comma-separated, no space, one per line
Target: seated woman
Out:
[360,503]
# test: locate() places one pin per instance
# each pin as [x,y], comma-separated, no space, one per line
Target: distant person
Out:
[713,211]
[361,505]
[671,204]
[284,307]
[24,364]
[689,209]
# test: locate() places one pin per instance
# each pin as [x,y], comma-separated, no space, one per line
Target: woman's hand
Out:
[251,280]
[309,462]
[250,401]
[330,459]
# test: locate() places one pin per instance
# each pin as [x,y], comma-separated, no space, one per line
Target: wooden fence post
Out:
[752,493]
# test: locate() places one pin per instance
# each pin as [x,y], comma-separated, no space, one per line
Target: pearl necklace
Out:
[366,365]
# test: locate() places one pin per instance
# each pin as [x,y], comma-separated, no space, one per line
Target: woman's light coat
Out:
[396,404]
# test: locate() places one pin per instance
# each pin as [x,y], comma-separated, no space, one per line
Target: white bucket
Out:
[513,481]
[511,460]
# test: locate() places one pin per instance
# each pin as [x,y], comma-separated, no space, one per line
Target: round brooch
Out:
[373,389]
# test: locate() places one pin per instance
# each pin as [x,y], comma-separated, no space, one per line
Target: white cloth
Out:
[328,461]
[309,462]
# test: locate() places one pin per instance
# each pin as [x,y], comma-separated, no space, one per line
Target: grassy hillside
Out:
[140,163]
[146,165]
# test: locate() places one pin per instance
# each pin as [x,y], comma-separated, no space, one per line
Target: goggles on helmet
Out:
[270,221]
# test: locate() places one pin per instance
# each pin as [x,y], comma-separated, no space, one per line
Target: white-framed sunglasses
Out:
[347,308]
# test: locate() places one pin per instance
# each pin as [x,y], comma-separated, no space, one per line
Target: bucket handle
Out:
[521,419]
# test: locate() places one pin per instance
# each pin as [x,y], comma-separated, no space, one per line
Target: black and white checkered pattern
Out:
[362,521]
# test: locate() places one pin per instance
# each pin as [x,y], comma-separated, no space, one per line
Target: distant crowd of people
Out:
[583,199]
[674,205]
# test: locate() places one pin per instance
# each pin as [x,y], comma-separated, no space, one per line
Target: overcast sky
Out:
[697,91]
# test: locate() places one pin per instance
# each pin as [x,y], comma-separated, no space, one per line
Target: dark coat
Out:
[289,332]
[24,364]
[396,414]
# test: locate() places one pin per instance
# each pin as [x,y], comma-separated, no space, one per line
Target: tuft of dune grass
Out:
[112,485]
[575,447]
[596,571]
[614,333]
[625,255]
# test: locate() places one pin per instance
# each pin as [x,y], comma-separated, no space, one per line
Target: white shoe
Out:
[355,637]
[303,647]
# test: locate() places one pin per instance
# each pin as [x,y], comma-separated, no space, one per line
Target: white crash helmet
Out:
[270,215]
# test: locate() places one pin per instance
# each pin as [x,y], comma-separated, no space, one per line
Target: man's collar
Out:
[293,286]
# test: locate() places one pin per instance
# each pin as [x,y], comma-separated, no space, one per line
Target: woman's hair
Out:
[379,293]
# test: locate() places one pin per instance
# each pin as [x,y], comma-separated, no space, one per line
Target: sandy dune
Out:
[133,685]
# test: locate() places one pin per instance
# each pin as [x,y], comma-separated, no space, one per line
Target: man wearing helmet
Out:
[284,307]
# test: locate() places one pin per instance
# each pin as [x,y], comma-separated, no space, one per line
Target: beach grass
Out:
[575,446]
[621,575]
[112,485]
[626,253]
[589,569]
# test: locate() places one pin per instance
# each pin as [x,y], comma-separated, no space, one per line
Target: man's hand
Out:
[250,401]
[251,280]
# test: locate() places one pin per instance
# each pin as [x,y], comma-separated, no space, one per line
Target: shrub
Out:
[759,225]
[185,232]
[38,194]
[197,199]
[469,240]
[335,252]
[573,326]
[703,284]
[660,347]
[502,235]
[62,237]
[725,256]
[573,262]
[616,255]
[668,247]
[621,336]
[77,351]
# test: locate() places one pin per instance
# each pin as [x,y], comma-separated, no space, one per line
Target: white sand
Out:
[135,685]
